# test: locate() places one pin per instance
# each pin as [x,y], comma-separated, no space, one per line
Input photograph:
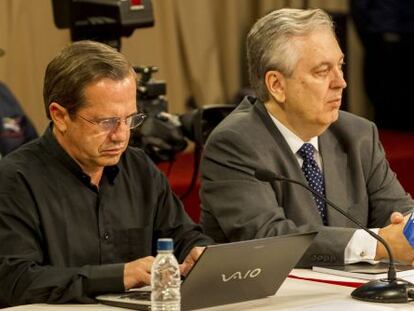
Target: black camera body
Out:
[161,135]
[151,93]
[102,20]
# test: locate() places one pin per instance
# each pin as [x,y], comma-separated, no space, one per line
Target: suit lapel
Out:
[280,146]
[335,164]
[287,165]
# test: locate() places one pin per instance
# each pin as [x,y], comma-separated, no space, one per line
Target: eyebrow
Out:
[136,112]
[106,118]
[341,60]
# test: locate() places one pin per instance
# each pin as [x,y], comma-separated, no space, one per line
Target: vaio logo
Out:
[249,274]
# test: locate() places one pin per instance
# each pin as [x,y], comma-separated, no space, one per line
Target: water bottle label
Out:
[409,230]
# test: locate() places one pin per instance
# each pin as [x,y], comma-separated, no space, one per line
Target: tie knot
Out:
[306,151]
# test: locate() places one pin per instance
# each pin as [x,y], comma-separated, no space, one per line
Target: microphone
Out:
[389,290]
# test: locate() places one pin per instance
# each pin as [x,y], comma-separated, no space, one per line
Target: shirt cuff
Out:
[362,247]
[105,279]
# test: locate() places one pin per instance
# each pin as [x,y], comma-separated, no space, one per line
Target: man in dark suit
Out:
[294,128]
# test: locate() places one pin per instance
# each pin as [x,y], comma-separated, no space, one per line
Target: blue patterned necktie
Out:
[314,177]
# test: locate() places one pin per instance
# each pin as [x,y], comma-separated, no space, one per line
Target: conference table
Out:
[295,294]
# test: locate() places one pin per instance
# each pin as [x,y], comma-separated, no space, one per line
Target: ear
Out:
[275,83]
[59,116]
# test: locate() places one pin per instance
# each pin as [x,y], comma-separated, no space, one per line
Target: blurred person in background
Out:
[15,127]
[386,30]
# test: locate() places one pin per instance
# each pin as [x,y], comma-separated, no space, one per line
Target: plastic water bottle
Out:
[165,279]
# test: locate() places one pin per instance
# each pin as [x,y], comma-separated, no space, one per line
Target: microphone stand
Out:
[389,290]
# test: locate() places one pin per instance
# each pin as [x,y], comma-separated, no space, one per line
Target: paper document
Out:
[342,305]
[366,271]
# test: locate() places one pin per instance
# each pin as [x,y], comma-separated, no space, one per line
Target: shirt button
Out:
[106,236]
[362,254]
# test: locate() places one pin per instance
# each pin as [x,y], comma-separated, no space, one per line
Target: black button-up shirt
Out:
[62,239]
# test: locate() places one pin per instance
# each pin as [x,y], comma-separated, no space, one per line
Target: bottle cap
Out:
[165,245]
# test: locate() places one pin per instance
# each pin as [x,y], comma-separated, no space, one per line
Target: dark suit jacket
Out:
[236,206]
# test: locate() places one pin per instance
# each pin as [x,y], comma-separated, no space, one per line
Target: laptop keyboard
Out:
[137,295]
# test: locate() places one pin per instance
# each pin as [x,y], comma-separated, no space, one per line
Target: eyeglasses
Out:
[110,124]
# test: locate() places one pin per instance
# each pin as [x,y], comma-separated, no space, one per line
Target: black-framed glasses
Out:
[110,124]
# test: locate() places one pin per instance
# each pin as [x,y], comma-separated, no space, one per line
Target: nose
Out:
[121,132]
[338,80]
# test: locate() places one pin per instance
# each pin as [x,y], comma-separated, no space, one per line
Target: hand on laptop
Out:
[137,273]
[190,260]
[393,235]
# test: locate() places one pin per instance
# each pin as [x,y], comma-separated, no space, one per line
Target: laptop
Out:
[229,273]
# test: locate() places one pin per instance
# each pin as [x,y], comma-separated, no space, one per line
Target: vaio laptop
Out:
[229,273]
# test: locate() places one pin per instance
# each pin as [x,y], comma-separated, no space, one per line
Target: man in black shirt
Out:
[80,211]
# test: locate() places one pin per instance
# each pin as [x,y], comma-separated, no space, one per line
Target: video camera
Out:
[102,20]
[163,135]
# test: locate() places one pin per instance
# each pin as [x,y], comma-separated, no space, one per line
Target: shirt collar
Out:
[50,142]
[294,142]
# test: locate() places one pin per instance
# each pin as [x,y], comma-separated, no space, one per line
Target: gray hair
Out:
[78,65]
[269,45]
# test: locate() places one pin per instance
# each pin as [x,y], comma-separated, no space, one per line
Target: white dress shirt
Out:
[362,246]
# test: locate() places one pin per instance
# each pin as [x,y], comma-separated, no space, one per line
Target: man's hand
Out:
[393,235]
[190,260]
[397,218]
[137,273]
